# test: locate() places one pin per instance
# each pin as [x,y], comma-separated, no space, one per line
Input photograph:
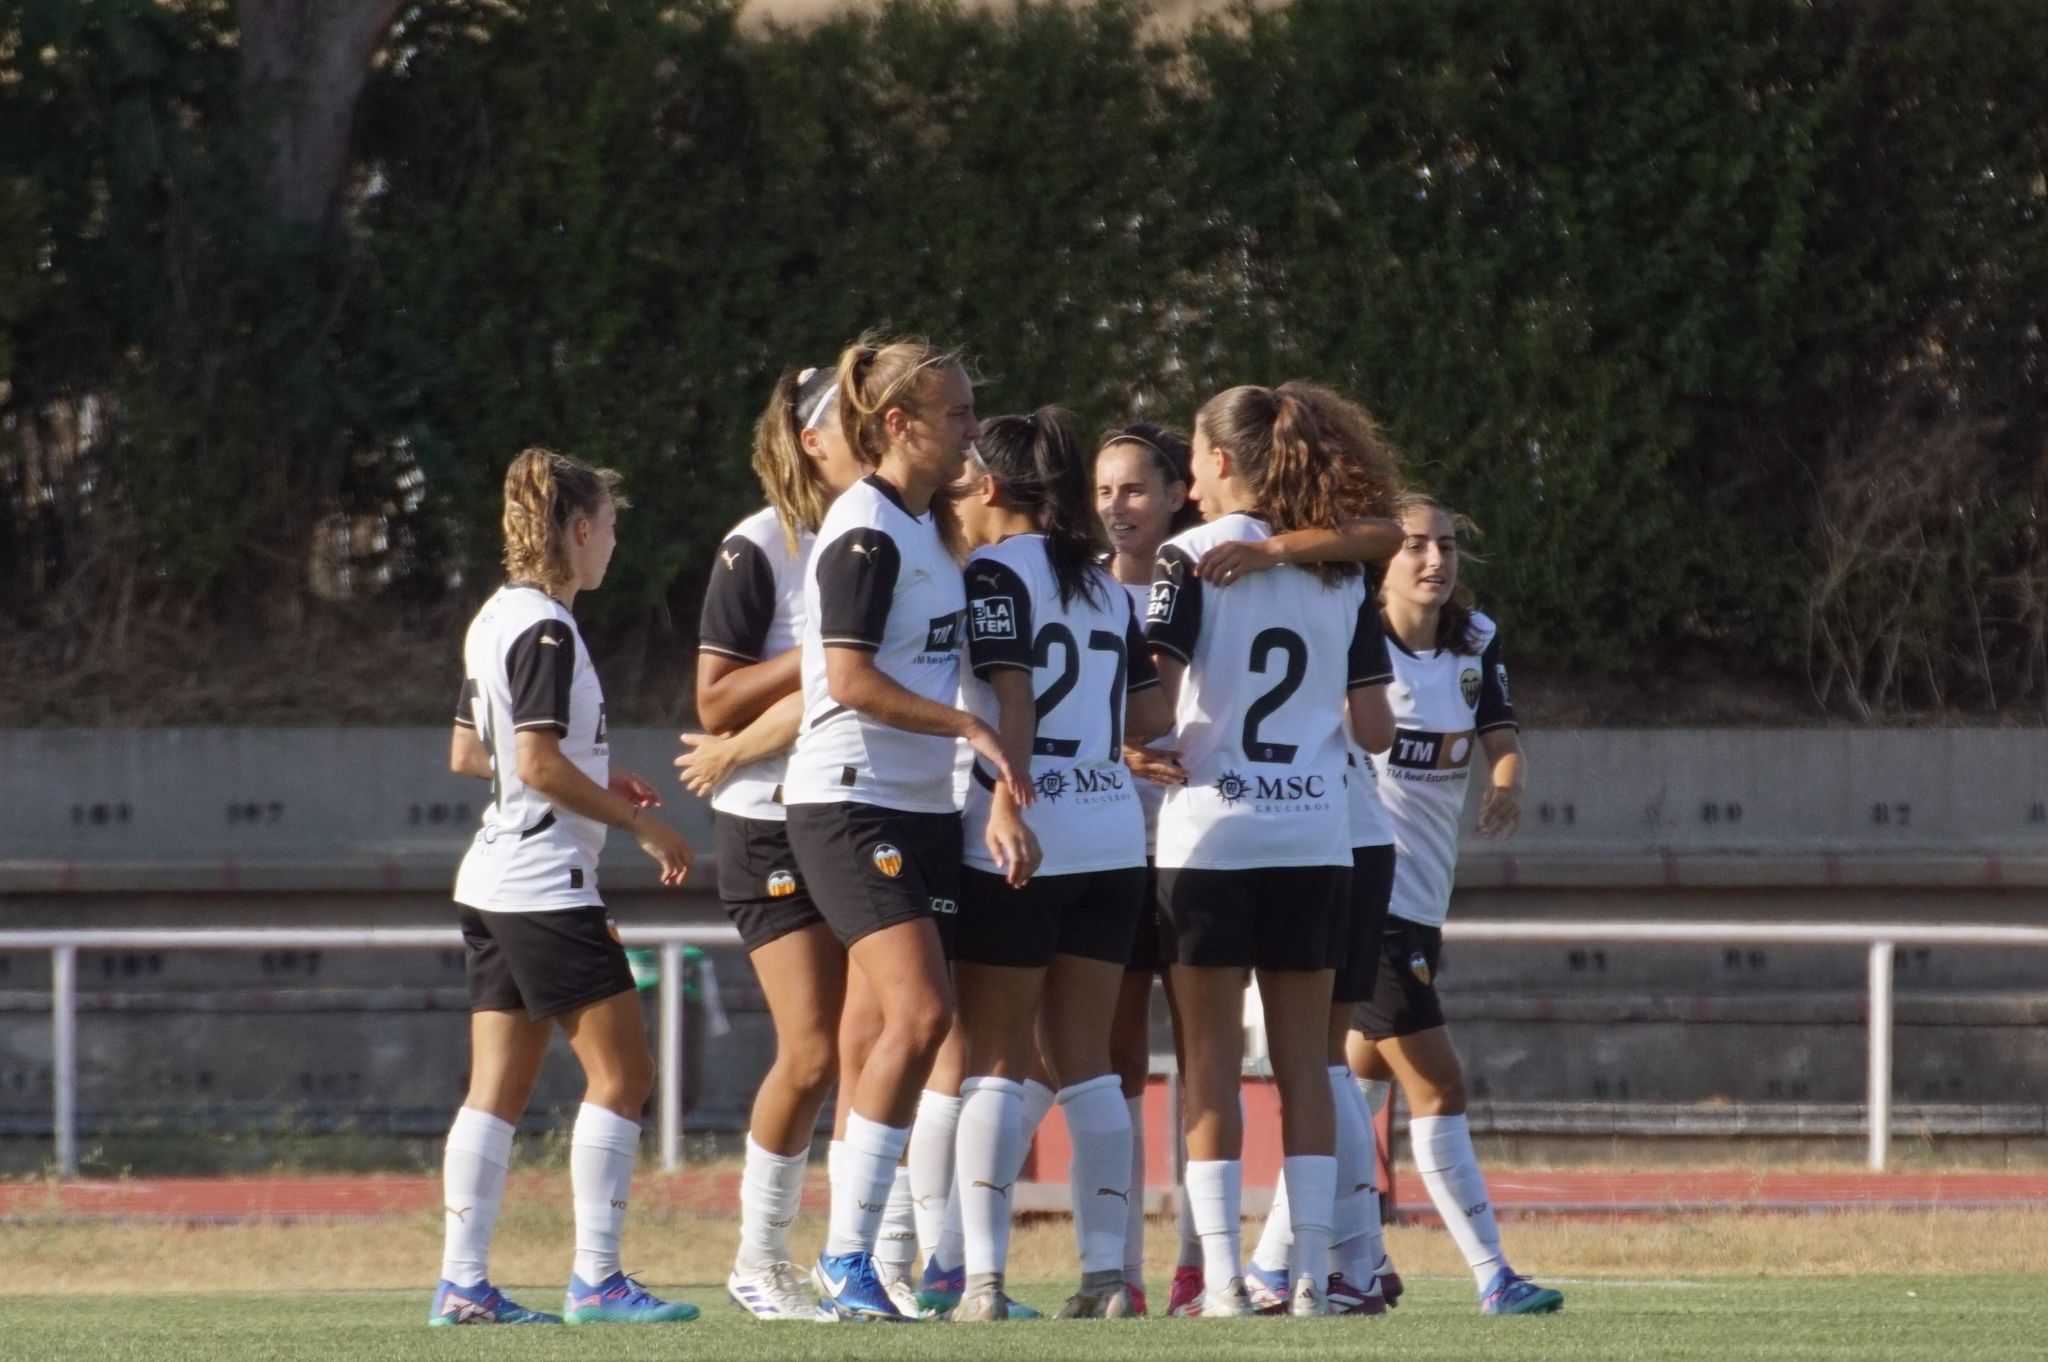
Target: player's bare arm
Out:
[732,694]
[1366,540]
[467,755]
[709,758]
[544,769]
[1500,807]
[853,680]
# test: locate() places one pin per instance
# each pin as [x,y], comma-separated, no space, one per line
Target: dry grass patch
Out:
[534,1243]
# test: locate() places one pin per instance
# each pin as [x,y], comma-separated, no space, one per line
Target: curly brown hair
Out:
[1309,457]
[544,492]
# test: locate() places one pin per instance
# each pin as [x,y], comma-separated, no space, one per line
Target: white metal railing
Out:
[1880,938]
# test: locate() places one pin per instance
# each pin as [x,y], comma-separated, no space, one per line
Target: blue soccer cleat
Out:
[941,1288]
[618,1299]
[1267,1291]
[480,1304]
[850,1289]
[1512,1294]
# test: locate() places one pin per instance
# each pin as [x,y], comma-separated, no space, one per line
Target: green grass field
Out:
[1953,1318]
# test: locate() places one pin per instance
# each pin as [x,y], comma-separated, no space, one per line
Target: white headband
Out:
[823,404]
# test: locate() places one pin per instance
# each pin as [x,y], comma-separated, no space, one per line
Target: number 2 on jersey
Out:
[1263,647]
[1099,641]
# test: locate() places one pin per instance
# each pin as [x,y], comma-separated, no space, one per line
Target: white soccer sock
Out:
[1443,1155]
[1036,1102]
[1099,1169]
[1355,1219]
[603,1146]
[1311,1181]
[1190,1254]
[1215,1192]
[1374,1092]
[860,1187]
[986,1164]
[771,1189]
[931,1163]
[1276,1241]
[896,1245]
[1134,1215]
[952,1250]
[472,1188]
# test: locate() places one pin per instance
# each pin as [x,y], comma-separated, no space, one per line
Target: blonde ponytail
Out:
[544,493]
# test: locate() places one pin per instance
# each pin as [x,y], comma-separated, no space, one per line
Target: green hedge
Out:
[1638,283]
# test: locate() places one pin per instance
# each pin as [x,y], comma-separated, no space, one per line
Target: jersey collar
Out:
[889,492]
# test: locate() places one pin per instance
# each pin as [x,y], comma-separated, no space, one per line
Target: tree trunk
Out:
[304,63]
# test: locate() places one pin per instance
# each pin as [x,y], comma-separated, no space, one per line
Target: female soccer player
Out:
[869,786]
[1141,496]
[1254,855]
[1450,700]
[748,687]
[1047,910]
[539,949]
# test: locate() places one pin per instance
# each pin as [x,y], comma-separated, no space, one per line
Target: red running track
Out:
[1583,1193]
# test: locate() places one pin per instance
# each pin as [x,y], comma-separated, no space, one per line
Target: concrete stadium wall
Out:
[165,794]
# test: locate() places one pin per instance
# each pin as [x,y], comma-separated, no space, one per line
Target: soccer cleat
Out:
[896,1281]
[1347,1299]
[1019,1310]
[618,1299]
[848,1289]
[1187,1289]
[1307,1300]
[940,1290]
[771,1292]
[1267,1291]
[1102,1295]
[1510,1293]
[988,1305]
[1229,1303]
[1135,1291]
[480,1304]
[1390,1281]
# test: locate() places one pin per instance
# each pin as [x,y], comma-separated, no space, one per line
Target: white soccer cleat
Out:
[1307,1300]
[1229,1303]
[774,1292]
[896,1281]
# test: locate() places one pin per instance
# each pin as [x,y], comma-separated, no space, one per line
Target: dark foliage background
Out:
[1724,320]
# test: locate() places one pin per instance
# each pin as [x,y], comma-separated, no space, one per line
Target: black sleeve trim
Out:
[856,586]
[540,668]
[739,602]
[1368,663]
[999,626]
[465,711]
[1173,615]
[1494,709]
[1496,727]
[1140,673]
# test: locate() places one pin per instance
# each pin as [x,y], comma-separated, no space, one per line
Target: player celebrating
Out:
[1047,910]
[747,685]
[1141,495]
[1450,699]
[1254,854]
[869,787]
[538,948]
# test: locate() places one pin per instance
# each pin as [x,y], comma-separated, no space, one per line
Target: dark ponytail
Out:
[1037,464]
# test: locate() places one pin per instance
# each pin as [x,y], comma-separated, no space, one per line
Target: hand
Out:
[708,761]
[1226,563]
[1159,765]
[989,747]
[669,848]
[628,786]
[1500,811]
[1013,846]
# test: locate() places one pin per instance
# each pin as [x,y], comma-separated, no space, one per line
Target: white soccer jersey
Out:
[1151,794]
[879,580]
[754,610]
[1261,713]
[1442,702]
[526,668]
[1085,657]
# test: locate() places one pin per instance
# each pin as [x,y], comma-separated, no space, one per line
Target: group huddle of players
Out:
[1003,724]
